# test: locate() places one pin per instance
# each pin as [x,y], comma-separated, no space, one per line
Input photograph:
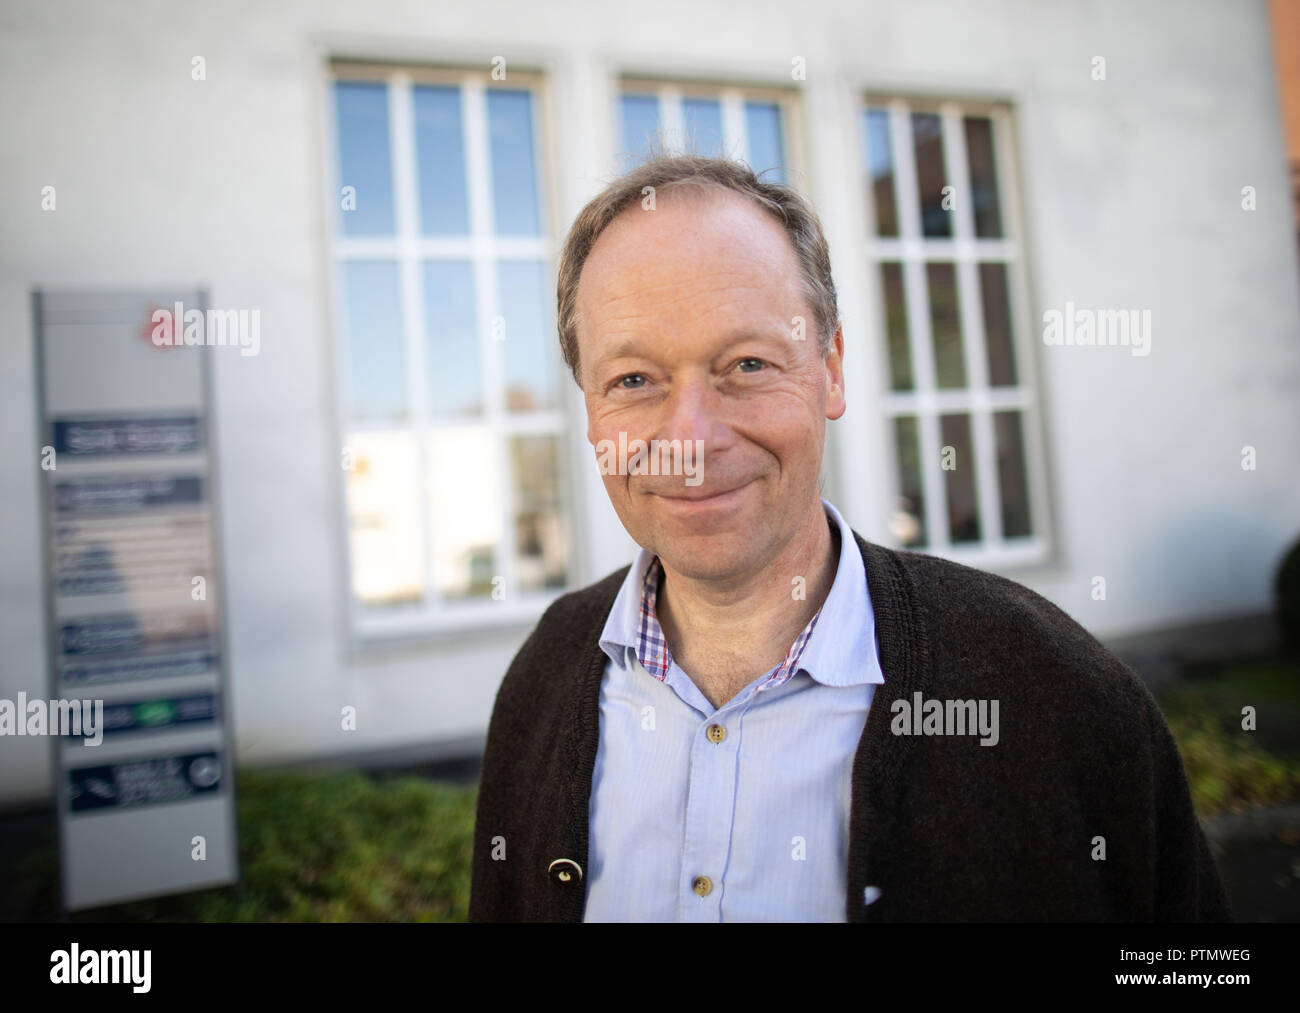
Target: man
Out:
[766,717]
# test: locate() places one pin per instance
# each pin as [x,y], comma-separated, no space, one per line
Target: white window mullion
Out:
[896,248]
[957,173]
[935,489]
[542,423]
[672,119]
[491,353]
[1017,294]
[482,229]
[735,139]
[971,307]
[401,129]
[905,185]
[916,296]
[1021,316]
[988,490]
[948,401]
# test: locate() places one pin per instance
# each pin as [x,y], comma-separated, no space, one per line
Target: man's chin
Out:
[704,537]
[704,552]
[708,569]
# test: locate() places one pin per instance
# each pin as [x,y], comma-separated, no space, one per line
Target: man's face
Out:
[686,332]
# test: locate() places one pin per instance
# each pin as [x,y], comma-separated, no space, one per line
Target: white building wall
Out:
[1131,193]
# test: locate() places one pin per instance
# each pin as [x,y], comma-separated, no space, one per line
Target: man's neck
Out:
[725,638]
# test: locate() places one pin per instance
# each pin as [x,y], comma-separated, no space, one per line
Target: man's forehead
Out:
[684,214]
[693,234]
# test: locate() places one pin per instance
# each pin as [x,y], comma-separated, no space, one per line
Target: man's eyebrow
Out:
[741,334]
[628,347]
[633,347]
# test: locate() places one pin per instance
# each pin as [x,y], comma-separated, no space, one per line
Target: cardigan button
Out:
[565,870]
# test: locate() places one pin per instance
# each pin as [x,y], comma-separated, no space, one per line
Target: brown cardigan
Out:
[941,828]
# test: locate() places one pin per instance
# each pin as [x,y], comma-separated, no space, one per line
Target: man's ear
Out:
[834,361]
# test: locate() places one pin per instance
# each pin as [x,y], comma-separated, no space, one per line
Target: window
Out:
[948,265]
[449,382]
[750,125]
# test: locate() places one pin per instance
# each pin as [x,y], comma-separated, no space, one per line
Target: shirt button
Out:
[715,733]
[702,885]
[565,870]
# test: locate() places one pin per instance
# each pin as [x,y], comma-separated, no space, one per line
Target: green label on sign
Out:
[155,712]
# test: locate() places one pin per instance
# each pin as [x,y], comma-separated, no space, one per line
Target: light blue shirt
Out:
[763,812]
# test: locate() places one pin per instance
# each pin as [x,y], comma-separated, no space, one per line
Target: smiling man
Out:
[766,717]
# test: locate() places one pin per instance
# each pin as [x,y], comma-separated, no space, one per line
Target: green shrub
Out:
[1287,591]
[1228,772]
[1230,769]
[332,848]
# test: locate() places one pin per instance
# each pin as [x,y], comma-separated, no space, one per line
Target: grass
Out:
[1229,768]
[328,848]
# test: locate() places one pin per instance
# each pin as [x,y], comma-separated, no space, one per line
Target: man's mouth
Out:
[689,498]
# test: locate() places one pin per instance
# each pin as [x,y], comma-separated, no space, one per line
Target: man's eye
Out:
[623,381]
[759,363]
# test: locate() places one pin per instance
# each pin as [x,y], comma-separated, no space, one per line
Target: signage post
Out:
[133,598]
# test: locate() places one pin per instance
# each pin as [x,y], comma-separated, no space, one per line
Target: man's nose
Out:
[692,411]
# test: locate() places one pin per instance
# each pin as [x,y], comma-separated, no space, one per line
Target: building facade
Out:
[1062,238]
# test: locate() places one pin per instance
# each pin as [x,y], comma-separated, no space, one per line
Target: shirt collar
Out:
[837,647]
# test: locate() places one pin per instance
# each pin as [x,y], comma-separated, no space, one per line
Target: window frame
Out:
[965,251]
[731,96]
[408,248]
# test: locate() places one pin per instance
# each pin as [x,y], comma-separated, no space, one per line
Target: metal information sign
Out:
[145,804]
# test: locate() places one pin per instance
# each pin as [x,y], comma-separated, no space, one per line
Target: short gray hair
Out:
[782,202]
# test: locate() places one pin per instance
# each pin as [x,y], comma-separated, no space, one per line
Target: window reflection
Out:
[927,140]
[526,346]
[514,173]
[464,509]
[900,353]
[963,509]
[452,360]
[365,164]
[387,538]
[639,115]
[440,160]
[702,119]
[997,325]
[376,380]
[908,522]
[983,177]
[880,171]
[541,539]
[945,326]
[1012,484]
[766,148]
